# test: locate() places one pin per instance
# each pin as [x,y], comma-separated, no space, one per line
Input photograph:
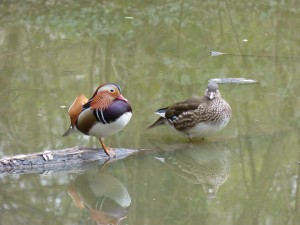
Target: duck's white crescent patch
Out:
[100,130]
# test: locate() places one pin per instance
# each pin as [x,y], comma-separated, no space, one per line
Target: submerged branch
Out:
[51,161]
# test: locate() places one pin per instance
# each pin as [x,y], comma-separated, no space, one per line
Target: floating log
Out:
[229,80]
[52,161]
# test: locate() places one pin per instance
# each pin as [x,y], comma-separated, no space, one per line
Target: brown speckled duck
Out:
[197,117]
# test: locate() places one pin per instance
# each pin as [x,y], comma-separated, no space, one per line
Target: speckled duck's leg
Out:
[109,151]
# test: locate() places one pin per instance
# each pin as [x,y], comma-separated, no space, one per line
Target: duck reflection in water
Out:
[104,196]
[198,163]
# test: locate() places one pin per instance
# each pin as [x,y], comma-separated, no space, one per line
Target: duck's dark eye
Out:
[111,90]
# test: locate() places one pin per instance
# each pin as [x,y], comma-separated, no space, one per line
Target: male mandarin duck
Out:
[197,117]
[104,114]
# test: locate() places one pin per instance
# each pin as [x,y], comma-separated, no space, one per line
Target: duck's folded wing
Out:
[185,114]
[181,108]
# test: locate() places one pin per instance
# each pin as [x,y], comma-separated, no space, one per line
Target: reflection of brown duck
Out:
[200,163]
[104,196]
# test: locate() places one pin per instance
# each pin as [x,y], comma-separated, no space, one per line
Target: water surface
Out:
[51,51]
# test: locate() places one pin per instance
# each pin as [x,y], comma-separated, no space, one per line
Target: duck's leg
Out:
[109,151]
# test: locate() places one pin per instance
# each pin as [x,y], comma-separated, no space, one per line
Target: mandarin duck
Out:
[197,117]
[104,114]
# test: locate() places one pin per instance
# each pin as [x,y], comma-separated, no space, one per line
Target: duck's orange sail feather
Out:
[76,108]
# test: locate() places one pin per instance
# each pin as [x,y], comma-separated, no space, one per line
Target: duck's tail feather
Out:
[158,122]
[69,131]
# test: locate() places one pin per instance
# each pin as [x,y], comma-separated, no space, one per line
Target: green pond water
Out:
[158,52]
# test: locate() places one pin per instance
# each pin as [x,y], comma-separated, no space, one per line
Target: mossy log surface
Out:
[63,160]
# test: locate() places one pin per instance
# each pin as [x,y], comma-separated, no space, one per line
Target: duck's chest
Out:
[102,123]
[103,130]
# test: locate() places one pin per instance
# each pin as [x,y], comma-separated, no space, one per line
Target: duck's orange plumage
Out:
[102,100]
[76,108]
